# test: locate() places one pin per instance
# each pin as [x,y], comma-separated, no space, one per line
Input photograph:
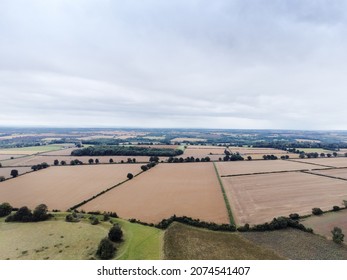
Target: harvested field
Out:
[257,199]
[65,186]
[338,173]
[62,152]
[167,189]
[333,162]
[212,152]
[249,151]
[182,242]
[325,223]
[315,150]
[259,166]
[5,157]
[260,156]
[186,139]
[298,245]
[7,171]
[32,160]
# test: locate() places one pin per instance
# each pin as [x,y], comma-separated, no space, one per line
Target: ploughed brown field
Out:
[4,171]
[257,199]
[249,167]
[65,186]
[324,224]
[183,189]
[333,162]
[33,160]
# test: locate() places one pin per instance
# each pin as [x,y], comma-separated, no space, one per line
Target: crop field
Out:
[298,245]
[260,156]
[30,150]
[64,186]
[182,242]
[338,173]
[325,223]
[332,162]
[186,139]
[201,151]
[9,156]
[249,167]
[315,150]
[62,152]
[7,171]
[257,199]
[249,151]
[183,189]
[32,160]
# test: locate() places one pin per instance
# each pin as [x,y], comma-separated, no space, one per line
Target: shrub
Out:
[115,234]
[2,178]
[294,216]
[22,215]
[14,173]
[338,236]
[94,220]
[336,208]
[106,249]
[41,213]
[72,218]
[317,211]
[243,228]
[106,217]
[130,176]
[5,209]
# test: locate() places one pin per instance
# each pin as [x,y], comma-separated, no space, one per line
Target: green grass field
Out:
[32,149]
[58,240]
[182,242]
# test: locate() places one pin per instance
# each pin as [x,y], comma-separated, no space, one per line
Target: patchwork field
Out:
[332,162]
[249,167]
[167,189]
[256,199]
[324,224]
[65,186]
[7,171]
[182,242]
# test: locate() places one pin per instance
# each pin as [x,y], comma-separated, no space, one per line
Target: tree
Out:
[14,173]
[249,158]
[91,161]
[2,178]
[130,176]
[63,162]
[115,234]
[56,162]
[334,154]
[322,155]
[144,168]
[97,161]
[41,212]
[302,155]
[106,249]
[5,209]
[317,211]
[22,215]
[338,236]
[111,160]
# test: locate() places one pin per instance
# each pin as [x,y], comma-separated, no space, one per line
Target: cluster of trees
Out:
[5,209]
[25,215]
[188,159]
[148,166]
[270,157]
[125,151]
[107,249]
[316,155]
[40,166]
[232,157]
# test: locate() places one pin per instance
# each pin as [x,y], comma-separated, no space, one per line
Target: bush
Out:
[130,176]
[338,236]
[106,217]
[5,209]
[72,218]
[22,215]
[41,213]
[294,216]
[243,228]
[317,211]
[106,249]
[14,173]
[94,220]
[115,234]
[336,208]
[2,178]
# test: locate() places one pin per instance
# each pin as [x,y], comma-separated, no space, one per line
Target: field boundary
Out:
[227,204]
[264,173]
[324,175]
[293,160]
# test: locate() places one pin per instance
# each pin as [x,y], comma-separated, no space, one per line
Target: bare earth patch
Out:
[257,199]
[65,186]
[167,189]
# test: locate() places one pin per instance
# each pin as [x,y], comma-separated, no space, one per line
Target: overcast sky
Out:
[180,63]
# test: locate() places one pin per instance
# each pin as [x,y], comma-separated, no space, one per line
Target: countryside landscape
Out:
[200,194]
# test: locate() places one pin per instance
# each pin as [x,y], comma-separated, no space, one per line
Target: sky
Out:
[243,64]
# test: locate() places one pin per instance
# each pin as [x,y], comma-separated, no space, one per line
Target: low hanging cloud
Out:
[200,63]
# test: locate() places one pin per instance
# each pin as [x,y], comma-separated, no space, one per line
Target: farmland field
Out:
[186,139]
[182,242]
[298,245]
[31,150]
[333,162]
[248,151]
[7,171]
[249,167]
[9,156]
[167,189]
[324,224]
[338,173]
[315,150]
[64,186]
[32,160]
[256,199]
[214,153]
